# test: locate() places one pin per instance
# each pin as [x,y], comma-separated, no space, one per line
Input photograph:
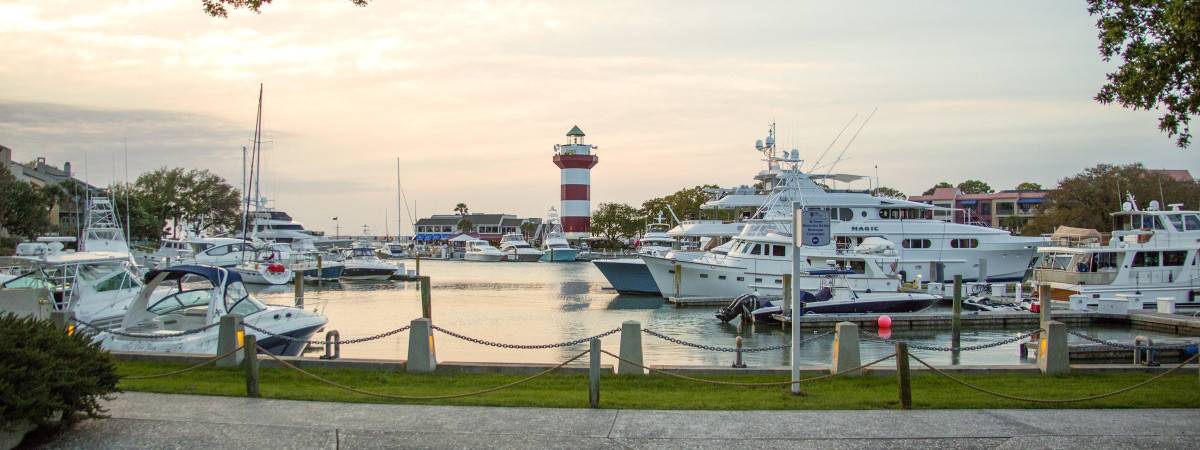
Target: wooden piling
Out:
[298,280]
[250,363]
[902,375]
[594,374]
[956,320]
[426,299]
[678,278]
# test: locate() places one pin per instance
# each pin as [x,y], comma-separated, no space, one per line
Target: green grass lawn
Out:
[662,392]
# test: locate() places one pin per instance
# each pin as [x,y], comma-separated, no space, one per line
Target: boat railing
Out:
[1073,277]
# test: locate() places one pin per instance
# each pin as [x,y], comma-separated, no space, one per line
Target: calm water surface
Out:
[544,303]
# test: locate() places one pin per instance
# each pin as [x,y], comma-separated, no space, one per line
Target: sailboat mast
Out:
[399,205]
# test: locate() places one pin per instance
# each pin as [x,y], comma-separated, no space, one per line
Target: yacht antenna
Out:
[835,139]
[852,138]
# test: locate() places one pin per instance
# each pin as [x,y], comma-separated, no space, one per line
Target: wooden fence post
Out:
[250,350]
[902,375]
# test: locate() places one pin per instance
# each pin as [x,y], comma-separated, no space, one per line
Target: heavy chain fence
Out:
[345,342]
[1133,347]
[732,349]
[525,347]
[1019,337]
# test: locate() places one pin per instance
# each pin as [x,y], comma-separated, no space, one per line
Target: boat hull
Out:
[367,273]
[478,257]
[323,274]
[523,256]
[628,276]
[559,254]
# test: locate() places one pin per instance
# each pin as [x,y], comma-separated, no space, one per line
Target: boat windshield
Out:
[28,280]
[780,228]
[239,301]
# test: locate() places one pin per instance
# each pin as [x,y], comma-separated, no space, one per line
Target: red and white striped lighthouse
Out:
[576,161]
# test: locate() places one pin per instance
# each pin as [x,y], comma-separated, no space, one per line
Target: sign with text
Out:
[814,227]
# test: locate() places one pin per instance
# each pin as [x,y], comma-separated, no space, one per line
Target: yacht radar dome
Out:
[758,144]
[1127,206]
[1153,206]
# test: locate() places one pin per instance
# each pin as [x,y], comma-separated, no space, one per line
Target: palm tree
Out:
[461,209]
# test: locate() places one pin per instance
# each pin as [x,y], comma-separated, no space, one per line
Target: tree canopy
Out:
[1029,186]
[220,8]
[887,192]
[196,199]
[1086,199]
[614,221]
[935,187]
[1159,41]
[24,209]
[974,187]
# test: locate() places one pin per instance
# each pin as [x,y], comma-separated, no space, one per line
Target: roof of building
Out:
[1177,174]
[575,131]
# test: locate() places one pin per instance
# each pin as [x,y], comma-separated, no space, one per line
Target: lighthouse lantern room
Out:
[576,159]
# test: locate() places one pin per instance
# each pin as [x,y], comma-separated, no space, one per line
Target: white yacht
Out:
[1152,253]
[184,298]
[363,264]
[761,254]
[480,250]
[554,243]
[854,282]
[272,225]
[97,286]
[514,248]
[629,275]
[394,250]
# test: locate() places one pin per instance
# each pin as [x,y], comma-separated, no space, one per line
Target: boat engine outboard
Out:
[743,305]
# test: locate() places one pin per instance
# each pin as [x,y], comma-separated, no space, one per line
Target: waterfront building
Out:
[990,210]
[489,227]
[66,214]
[575,160]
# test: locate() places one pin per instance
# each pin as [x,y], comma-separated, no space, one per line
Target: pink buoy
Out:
[885,322]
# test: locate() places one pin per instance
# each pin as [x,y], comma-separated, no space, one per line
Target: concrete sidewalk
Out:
[142,420]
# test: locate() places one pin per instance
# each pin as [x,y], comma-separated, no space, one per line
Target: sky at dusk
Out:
[473,96]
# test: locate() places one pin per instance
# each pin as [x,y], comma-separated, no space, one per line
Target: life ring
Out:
[275,268]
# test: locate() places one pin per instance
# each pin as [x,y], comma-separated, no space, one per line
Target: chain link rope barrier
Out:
[730,383]
[1133,347]
[1038,400]
[879,338]
[346,342]
[525,347]
[732,349]
[148,336]
[177,372]
[432,397]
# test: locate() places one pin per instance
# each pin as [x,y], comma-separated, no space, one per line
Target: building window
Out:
[985,209]
[1005,208]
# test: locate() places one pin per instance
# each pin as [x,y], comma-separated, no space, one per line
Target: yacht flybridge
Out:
[1151,252]
[761,254]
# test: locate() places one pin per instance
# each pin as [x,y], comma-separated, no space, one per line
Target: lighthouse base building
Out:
[576,159]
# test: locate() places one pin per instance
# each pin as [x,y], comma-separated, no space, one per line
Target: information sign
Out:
[814,227]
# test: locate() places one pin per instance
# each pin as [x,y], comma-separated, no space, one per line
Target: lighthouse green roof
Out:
[575,131]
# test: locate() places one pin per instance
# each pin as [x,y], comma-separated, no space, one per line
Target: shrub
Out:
[44,371]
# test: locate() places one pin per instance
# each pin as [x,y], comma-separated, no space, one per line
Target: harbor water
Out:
[544,303]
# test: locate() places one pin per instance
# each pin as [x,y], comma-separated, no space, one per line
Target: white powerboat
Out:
[394,250]
[514,248]
[480,250]
[363,264]
[555,247]
[97,286]
[185,298]
[761,253]
[1153,253]
[854,282]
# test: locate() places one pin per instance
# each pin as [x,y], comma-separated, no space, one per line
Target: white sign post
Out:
[811,229]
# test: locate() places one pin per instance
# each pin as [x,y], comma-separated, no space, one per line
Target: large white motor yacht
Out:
[1152,253]
[761,254]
